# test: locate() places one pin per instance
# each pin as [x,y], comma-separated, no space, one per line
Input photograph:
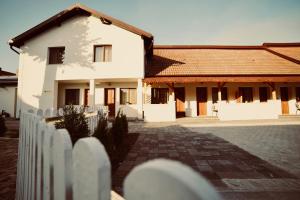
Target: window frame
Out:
[49,54]
[158,99]
[128,103]
[102,45]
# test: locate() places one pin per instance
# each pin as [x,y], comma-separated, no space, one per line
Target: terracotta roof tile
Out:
[218,61]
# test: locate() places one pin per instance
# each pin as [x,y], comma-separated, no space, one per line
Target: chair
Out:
[215,109]
[297,107]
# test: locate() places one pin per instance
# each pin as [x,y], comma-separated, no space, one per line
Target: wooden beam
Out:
[217,79]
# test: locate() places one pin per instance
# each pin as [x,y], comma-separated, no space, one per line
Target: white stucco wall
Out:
[8,100]
[78,35]
[159,112]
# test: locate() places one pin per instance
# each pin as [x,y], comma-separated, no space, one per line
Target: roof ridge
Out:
[208,47]
[283,44]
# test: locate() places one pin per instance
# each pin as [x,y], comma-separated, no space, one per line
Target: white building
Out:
[8,93]
[81,56]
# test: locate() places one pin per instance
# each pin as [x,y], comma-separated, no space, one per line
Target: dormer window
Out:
[56,55]
[102,53]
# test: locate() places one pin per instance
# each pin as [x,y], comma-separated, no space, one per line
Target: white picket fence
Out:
[50,168]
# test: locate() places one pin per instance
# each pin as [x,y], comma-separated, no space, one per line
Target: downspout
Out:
[10,42]
[12,48]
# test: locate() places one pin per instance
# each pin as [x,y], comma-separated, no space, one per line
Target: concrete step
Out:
[290,117]
[198,119]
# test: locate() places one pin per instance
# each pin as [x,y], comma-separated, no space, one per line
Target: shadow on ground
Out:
[218,160]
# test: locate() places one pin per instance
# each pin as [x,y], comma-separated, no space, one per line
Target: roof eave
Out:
[57,19]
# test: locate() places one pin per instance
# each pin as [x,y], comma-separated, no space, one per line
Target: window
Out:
[159,95]
[56,55]
[224,96]
[127,96]
[298,94]
[72,97]
[246,94]
[263,94]
[102,53]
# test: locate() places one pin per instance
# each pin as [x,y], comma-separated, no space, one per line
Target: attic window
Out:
[56,55]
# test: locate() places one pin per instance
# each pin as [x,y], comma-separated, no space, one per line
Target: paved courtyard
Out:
[241,162]
[257,162]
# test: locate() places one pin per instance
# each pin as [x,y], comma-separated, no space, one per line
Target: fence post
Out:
[62,163]
[91,171]
[168,180]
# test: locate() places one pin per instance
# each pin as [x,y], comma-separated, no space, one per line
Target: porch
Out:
[223,101]
[117,94]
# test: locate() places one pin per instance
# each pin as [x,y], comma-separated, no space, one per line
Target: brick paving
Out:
[240,162]
[8,159]
[8,163]
[236,173]
[279,145]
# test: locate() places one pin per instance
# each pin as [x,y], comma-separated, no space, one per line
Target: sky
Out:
[202,22]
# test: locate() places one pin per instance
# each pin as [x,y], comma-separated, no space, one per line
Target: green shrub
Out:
[119,129]
[75,122]
[3,128]
[103,134]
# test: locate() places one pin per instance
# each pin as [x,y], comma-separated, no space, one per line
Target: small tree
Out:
[3,128]
[75,122]
[124,123]
[119,128]
[103,134]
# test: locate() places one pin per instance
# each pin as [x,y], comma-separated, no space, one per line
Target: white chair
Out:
[214,109]
[297,107]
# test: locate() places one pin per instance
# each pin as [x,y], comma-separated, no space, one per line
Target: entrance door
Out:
[86,97]
[180,100]
[284,93]
[201,93]
[110,100]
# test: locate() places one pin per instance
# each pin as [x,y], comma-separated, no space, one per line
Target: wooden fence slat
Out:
[26,167]
[91,171]
[47,162]
[62,162]
[168,180]
[20,164]
[39,165]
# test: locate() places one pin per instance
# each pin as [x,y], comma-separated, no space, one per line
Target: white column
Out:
[219,95]
[91,101]
[140,98]
[117,100]
[55,94]
[171,94]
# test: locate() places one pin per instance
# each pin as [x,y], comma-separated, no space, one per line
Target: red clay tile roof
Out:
[76,9]
[218,60]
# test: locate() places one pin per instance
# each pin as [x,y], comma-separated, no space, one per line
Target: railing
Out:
[91,114]
[50,168]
